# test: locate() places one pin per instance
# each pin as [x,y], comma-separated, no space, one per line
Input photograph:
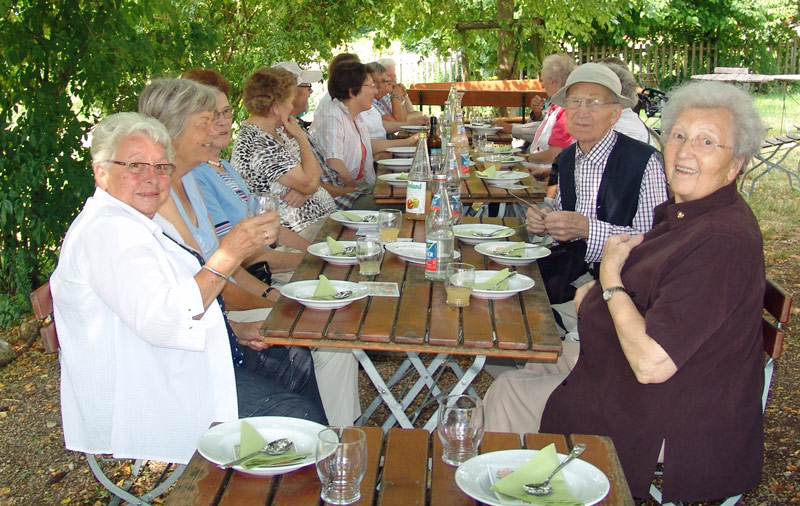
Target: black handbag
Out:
[261,271]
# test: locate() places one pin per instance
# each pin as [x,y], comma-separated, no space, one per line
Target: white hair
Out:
[111,131]
[748,129]
[173,101]
[387,63]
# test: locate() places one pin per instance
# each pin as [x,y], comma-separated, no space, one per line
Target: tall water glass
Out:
[341,463]
[460,427]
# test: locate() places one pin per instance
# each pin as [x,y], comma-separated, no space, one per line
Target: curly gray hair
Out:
[173,101]
[558,66]
[111,131]
[748,129]
[626,79]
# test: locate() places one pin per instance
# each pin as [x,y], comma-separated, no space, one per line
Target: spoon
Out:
[544,487]
[277,447]
[504,253]
[495,232]
[347,251]
[336,296]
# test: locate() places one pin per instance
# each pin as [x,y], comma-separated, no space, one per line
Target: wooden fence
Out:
[671,62]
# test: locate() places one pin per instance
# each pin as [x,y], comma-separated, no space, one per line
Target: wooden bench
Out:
[773,154]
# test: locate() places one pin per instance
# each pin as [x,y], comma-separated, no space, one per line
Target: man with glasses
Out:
[608,183]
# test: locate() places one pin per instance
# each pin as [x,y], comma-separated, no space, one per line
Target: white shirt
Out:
[139,377]
[631,125]
[374,121]
[338,136]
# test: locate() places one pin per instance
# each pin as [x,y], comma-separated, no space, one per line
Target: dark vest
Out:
[618,196]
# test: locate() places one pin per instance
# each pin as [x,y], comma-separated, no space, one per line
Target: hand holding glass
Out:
[369,251]
[389,224]
[460,427]
[341,463]
[459,282]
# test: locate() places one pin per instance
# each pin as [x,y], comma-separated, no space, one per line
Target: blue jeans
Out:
[279,381]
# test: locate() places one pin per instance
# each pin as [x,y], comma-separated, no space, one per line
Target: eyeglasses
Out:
[304,85]
[700,143]
[137,168]
[225,113]
[592,104]
[371,85]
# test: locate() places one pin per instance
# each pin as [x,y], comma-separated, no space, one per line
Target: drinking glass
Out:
[479,143]
[492,159]
[262,202]
[341,457]
[389,224]
[460,427]
[369,251]
[459,282]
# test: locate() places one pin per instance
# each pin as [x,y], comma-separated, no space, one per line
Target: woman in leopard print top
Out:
[273,154]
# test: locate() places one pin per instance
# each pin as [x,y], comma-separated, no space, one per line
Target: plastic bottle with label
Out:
[459,138]
[418,194]
[439,238]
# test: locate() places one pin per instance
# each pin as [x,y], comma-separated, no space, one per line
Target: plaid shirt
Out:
[589,168]
[382,106]
[329,176]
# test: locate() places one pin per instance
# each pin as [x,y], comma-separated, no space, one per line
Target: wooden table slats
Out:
[397,467]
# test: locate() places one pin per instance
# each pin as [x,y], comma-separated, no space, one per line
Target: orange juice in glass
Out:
[389,224]
[459,282]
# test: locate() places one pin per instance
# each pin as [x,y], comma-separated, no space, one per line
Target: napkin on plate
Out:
[350,216]
[324,287]
[515,249]
[537,470]
[251,441]
[490,172]
[336,247]
[489,283]
[403,176]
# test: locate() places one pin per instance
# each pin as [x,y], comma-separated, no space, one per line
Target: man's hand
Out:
[535,218]
[505,125]
[567,225]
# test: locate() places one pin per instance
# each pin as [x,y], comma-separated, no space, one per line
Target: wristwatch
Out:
[398,97]
[608,292]
[266,292]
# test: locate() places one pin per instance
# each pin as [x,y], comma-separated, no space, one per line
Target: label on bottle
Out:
[436,201]
[436,150]
[464,165]
[431,256]
[415,197]
[455,205]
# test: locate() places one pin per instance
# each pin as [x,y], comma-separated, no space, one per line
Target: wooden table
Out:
[398,473]
[473,190]
[419,321]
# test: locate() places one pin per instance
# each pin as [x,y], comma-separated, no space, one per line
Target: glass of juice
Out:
[459,282]
[492,159]
[369,251]
[389,224]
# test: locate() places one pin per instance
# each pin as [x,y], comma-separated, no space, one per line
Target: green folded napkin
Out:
[403,176]
[515,249]
[537,470]
[251,441]
[336,247]
[489,283]
[350,216]
[324,287]
[490,172]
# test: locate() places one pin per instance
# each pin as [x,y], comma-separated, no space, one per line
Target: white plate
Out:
[403,151]
[517,283]
[322,250]
[397,164]
[508,160]
[217,443]
[484,129]
[337,216]
[505,177]
[463,232]
[531,253]
[415,128]
[393,179]
[302,291]
[413,252]
[584,481]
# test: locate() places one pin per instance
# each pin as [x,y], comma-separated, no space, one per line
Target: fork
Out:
[494,233]
[336,296]
[347,251]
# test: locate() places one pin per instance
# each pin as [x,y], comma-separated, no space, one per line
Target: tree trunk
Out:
[464,56]
[505,43]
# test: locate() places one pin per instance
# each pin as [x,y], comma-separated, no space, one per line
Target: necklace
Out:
[217,164]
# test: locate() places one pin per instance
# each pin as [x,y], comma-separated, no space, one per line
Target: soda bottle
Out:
[434,141]
[438,231]
[459,139]
[446,123]
[452,172]
[417,191]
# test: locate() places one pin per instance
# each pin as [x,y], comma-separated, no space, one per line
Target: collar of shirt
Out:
[675,215]
[104,198]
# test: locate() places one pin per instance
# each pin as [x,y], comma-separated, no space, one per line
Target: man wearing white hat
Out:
[608,182]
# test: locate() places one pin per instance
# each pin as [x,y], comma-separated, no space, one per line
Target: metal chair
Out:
[42,302]
[777,305]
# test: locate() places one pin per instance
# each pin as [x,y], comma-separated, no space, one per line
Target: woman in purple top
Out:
[671,344]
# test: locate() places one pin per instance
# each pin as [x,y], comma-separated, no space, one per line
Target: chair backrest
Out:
[778,305]
[42,302]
